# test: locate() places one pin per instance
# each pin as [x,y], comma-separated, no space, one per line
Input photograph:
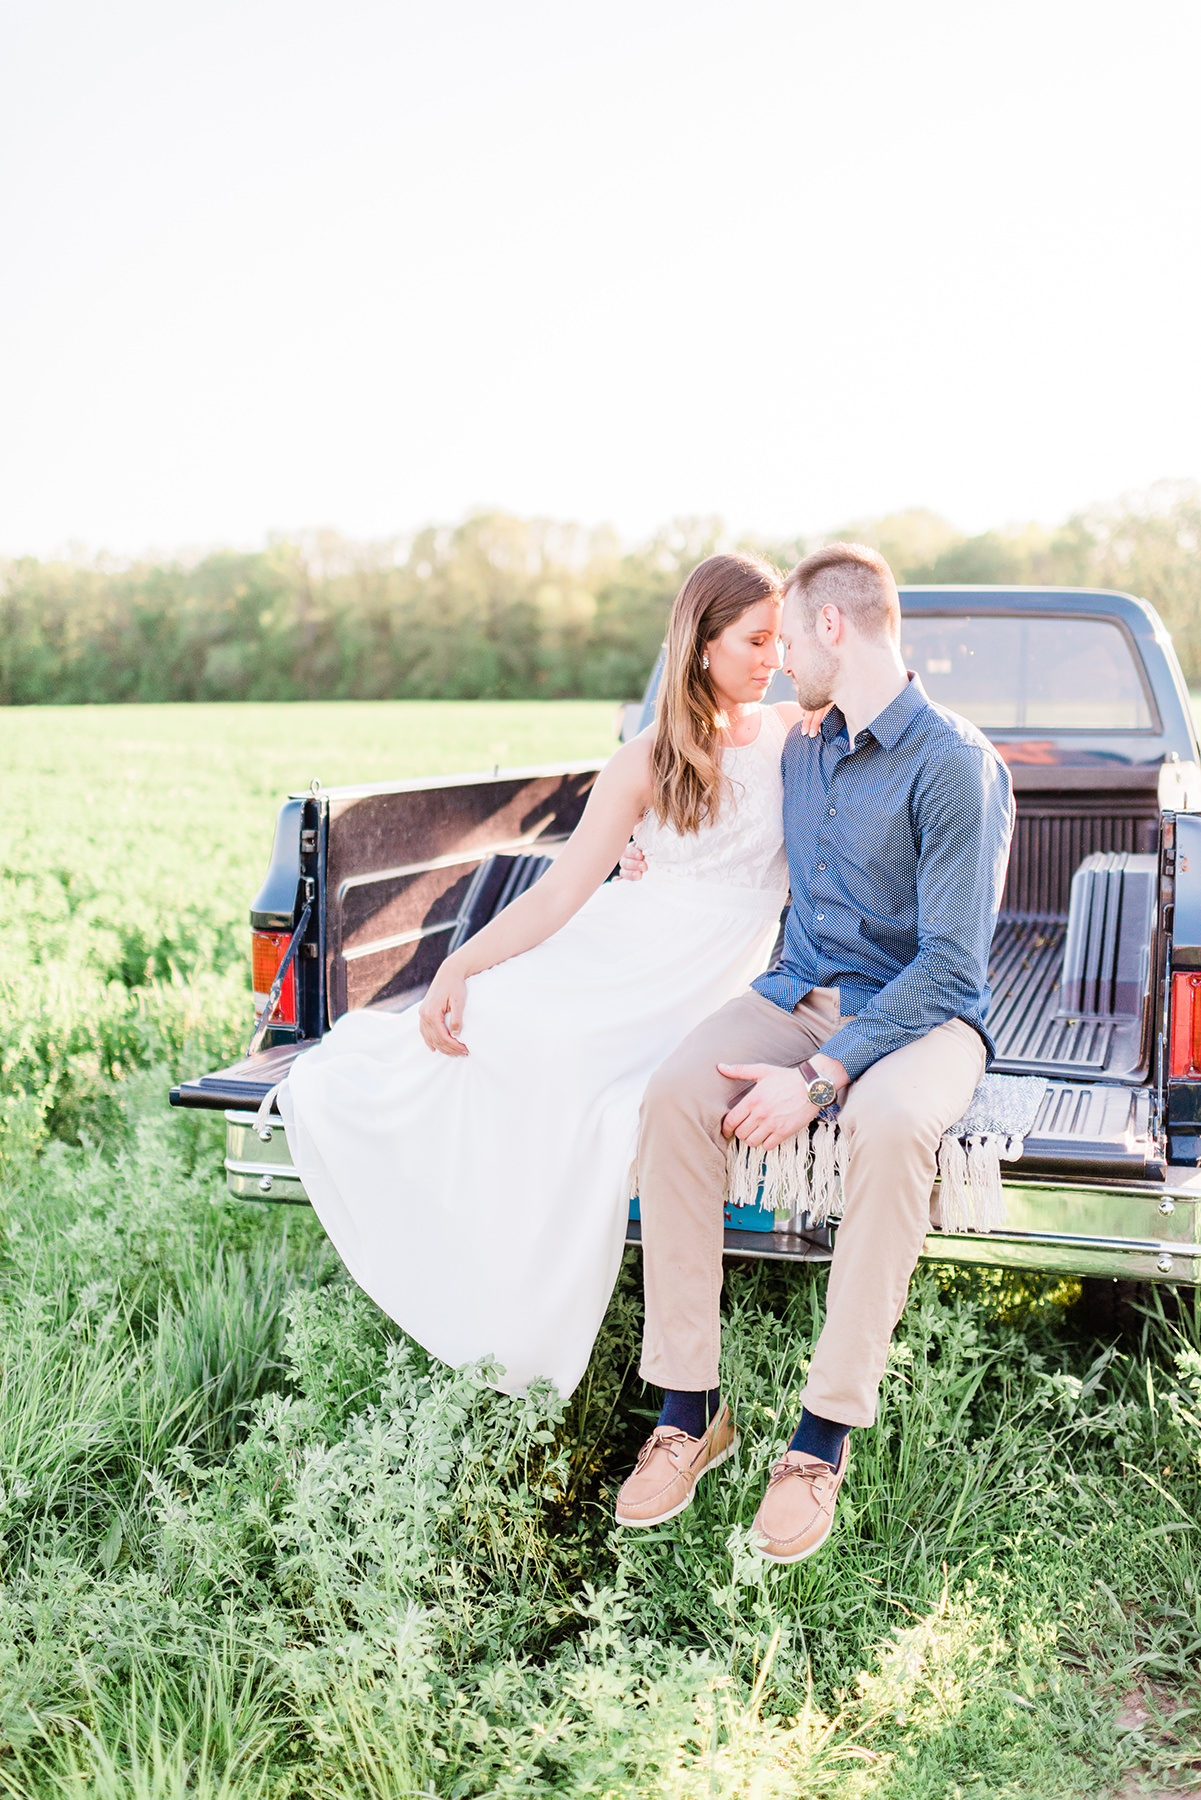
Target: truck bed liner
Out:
[1032,1034]
[1092,1128]
[1069,993]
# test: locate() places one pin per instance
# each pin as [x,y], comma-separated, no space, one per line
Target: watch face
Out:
[822,1093]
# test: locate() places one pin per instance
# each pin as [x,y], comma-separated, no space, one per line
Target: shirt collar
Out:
[887,726]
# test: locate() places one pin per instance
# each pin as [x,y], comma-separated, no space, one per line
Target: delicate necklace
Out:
[729,741]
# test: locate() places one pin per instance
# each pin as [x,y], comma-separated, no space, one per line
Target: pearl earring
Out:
[704,662]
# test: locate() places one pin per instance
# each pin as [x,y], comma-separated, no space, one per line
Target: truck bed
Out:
[1095,1117]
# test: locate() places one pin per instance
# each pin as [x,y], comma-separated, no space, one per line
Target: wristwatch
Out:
[821,1092]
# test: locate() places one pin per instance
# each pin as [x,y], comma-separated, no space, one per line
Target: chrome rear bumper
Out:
[1142,1231]
[260,1168]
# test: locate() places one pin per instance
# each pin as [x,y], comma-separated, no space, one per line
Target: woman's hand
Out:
[811,722]
[441,1012]
[633,863]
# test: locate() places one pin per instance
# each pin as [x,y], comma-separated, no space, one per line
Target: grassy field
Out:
[253,1543]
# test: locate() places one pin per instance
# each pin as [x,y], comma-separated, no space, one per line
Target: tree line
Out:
[498,607]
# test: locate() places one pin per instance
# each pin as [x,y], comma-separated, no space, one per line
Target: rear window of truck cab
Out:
[1041,673]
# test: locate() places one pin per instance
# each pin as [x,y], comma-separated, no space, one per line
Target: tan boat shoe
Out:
[669,1465]
[797,1513]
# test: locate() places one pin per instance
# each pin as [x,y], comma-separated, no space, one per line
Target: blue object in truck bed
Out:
[737,1218]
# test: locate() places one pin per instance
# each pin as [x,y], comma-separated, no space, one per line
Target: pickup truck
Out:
[1096,961]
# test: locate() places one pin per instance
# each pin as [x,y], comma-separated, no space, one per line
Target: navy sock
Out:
[690,1412]
[819,1437]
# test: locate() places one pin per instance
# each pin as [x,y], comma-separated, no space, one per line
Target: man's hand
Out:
[777,1107]
[441,1012]
[633,863]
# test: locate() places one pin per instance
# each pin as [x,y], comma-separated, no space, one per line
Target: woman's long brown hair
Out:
[687,781]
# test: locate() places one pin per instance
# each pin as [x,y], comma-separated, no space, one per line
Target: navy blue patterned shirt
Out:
[897,851]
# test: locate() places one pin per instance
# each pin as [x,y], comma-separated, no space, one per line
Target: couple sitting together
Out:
[471,1159]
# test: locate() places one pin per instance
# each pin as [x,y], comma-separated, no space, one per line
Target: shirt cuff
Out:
[853,1048]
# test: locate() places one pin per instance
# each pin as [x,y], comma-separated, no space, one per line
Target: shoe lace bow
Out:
[663,1437]
[814,1471]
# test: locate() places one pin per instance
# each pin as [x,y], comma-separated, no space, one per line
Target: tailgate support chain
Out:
[277,985]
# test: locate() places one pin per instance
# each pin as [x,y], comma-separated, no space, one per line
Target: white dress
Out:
[482,1200]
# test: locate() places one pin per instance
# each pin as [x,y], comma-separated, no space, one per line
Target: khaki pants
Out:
[893,1117]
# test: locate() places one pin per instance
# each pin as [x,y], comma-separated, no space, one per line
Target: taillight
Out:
[267,951]
[1186,1025]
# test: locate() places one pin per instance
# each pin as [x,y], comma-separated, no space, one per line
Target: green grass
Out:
[135,839]
[181,799]
[254,1543]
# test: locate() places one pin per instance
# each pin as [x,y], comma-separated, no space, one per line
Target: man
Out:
[897,821]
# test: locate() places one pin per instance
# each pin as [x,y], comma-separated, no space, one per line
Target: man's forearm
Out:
[914,1003]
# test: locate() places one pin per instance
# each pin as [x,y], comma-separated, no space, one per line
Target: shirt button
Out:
[821,865]
[819,917]
[833,812]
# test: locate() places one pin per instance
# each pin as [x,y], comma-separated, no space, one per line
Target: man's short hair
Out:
[855,579]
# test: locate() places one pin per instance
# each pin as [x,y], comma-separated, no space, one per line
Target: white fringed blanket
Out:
[804,1174]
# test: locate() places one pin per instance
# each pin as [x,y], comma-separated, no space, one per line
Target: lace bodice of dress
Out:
[744,847]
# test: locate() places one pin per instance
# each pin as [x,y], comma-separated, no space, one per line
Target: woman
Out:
[470,1159]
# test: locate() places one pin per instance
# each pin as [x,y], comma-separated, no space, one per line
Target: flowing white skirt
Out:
[482,1200]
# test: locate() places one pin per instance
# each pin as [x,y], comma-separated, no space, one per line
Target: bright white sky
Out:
[275,264]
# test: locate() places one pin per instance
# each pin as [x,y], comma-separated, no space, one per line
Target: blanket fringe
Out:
[803,1177]
[970,1194]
